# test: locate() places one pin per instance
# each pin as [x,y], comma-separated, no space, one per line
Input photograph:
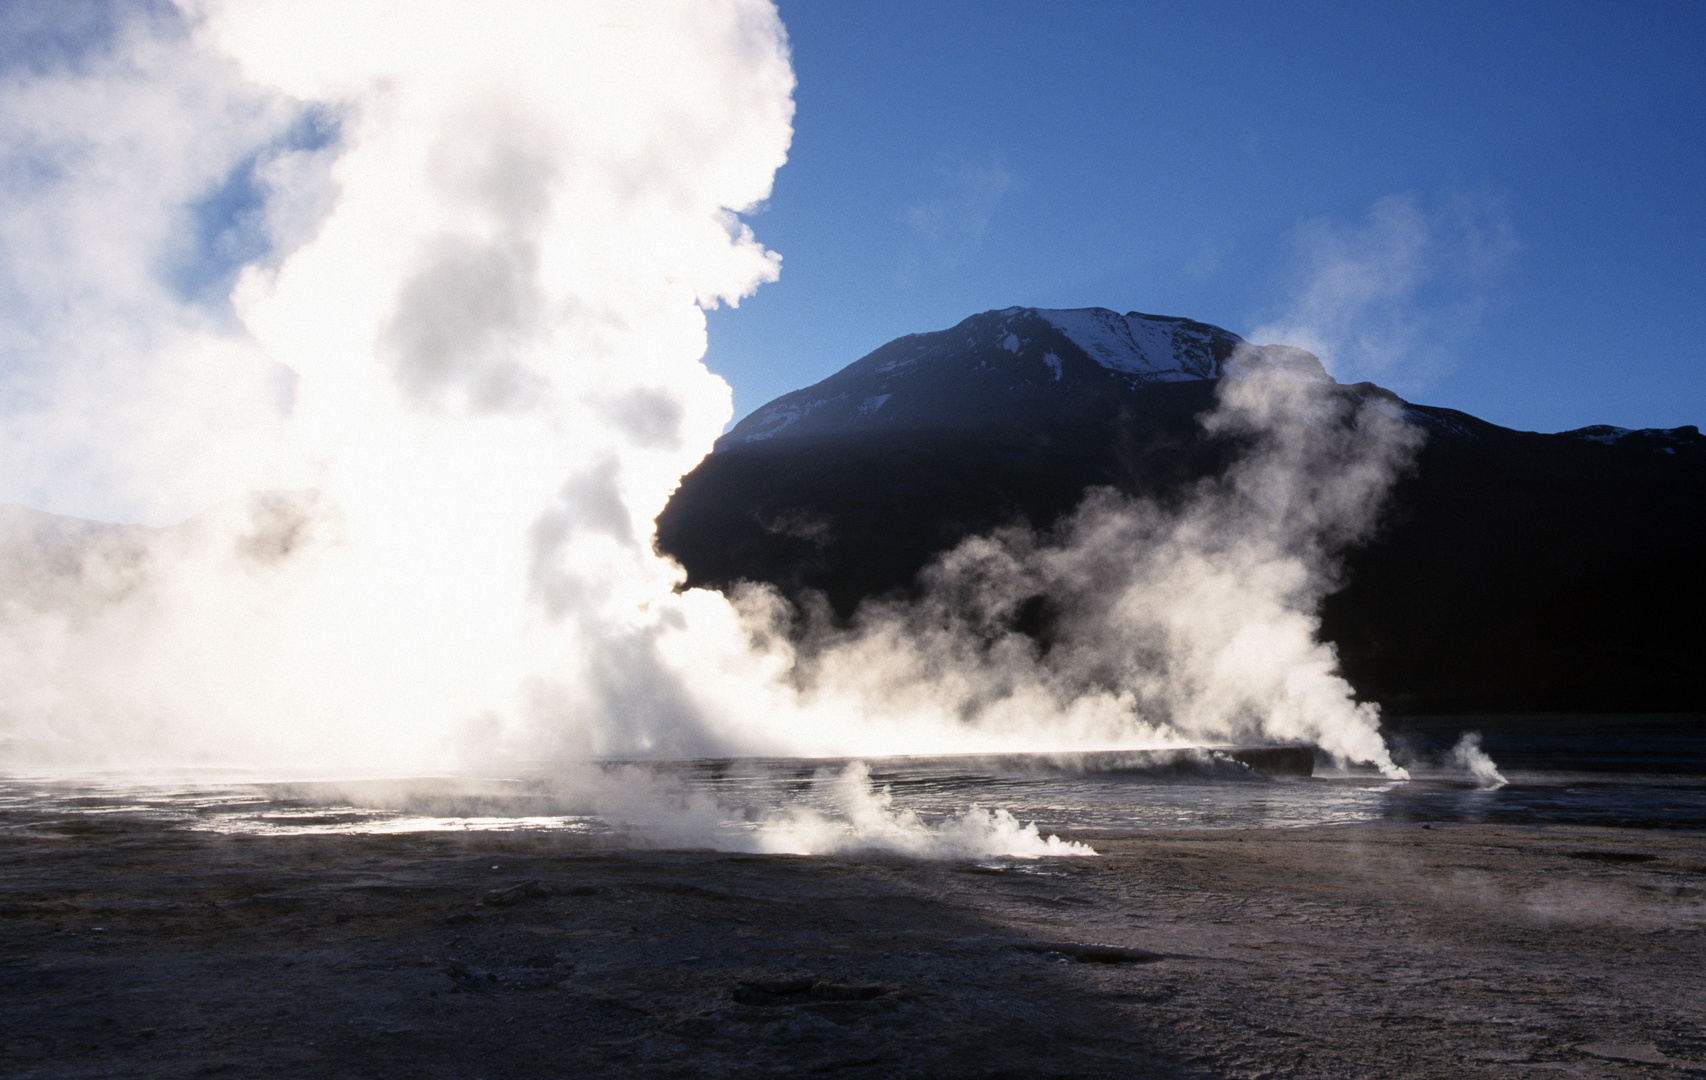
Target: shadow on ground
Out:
[131,948]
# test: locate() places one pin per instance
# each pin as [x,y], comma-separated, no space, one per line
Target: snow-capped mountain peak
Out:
[1015,354]
[1135,344]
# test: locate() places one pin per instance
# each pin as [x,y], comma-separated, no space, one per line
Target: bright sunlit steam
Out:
[386,320]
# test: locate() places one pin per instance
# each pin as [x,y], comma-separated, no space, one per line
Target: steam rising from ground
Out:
[430,279]
[850,816]
[870,822]
[1175,624]
[1468,756]
[469,386]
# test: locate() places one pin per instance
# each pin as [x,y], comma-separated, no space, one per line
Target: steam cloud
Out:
[465,366]
[1387,299]
[1468,756]
[1173,624]
[399,424]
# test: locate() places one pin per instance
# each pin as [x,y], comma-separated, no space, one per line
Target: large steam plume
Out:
[387,320]
[465,349]
[1174,623]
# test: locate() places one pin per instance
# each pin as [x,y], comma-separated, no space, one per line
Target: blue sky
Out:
[1496,208]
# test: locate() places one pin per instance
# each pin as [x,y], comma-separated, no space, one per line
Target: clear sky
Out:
[1494,207]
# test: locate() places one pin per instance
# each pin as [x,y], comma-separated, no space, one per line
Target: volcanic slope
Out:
[1514,571]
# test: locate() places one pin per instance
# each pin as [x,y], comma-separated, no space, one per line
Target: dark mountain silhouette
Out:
[1513,572]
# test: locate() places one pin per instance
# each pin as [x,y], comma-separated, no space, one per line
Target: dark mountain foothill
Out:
[1512,571]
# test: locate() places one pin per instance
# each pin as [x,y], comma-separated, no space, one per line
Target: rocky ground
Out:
[130,948]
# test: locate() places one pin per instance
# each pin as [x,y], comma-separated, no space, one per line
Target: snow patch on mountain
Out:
[1154,348]
[1601,433]
[903,362]
[929,378]
[1665,440]
[777,418]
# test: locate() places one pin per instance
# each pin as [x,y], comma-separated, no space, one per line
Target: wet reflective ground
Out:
[209,923]
[1554,778]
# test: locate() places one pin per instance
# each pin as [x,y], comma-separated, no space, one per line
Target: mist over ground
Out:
[389,343]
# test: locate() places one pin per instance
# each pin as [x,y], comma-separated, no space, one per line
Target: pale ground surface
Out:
[129,948]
